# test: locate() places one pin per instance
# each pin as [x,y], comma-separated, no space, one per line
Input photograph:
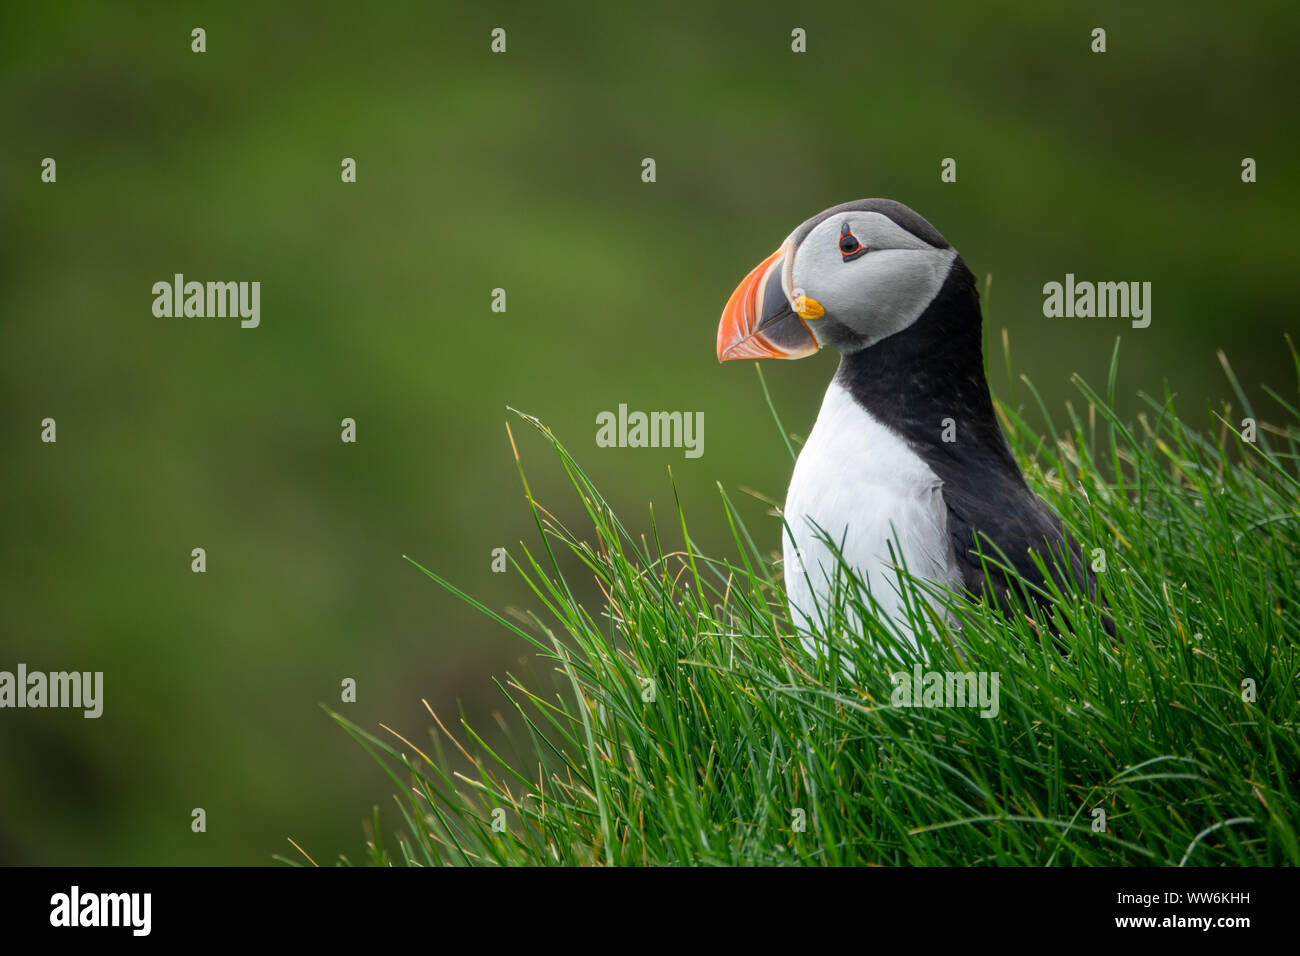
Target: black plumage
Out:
[934,370]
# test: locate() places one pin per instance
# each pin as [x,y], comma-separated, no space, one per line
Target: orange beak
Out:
[759,320]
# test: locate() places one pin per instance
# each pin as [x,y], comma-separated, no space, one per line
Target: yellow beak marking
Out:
[808,308]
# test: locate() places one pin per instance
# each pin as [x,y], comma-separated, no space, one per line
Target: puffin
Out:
[906,463]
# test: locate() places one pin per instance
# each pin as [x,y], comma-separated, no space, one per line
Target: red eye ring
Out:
[850,248]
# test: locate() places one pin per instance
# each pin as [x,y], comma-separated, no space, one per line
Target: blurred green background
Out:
[519,171]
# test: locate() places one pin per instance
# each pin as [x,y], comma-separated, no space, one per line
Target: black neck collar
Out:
[915,380]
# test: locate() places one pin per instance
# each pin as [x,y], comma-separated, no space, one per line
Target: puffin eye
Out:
[850,248]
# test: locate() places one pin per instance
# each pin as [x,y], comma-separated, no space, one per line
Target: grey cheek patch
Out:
[903,290]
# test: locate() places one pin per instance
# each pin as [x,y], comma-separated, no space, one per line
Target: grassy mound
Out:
[689,726]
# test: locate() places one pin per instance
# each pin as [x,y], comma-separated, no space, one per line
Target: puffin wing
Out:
[1017,523]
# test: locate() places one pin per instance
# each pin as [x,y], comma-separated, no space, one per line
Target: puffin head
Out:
[848,277]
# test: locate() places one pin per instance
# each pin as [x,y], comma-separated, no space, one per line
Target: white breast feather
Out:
[861,484]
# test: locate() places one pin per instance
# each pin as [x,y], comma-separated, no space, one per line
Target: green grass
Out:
[1201,534]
